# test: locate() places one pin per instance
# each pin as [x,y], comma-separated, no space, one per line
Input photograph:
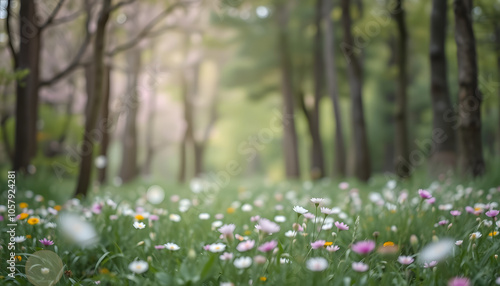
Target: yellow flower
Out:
[57,208]
[28,236]
[328,243]
[23,215]
[139,217]
[493,233]
[23,205]
[104,271]
[19,258]
[230,210]
[388,243]
[263,278]
[247,232]
[33,220]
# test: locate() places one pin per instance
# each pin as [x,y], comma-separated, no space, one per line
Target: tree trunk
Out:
[402,165]
[150,149]
[388,114]
[106,133]
[497,50]
[469,96]
[129,168]
[93,102]
[339,165]
[362,168]
[290,143]
[443,156]
[187,139]
[317,158]
[27,88]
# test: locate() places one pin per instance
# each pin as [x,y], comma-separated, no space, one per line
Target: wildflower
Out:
[326,211]
[217,247]
[227,231]
[300,210]
[459,281]
[317,264]
[255,218]
[268,246]
[343,185]
[309,216]
[139,217]
[19,239]
[455,213]
[242,262]
[443,222]
[174,217]
[204,216]
[492,213]
[46,242]
[493,233]
[363,247]
[475,235]
[424,194]
[172,246]
[458,242]
[279,218]
[405,260]
[268,226]
[388,243]
[226,256]
[33,220]
[430,264]
[316,201]
[263,278]
[317,244]
[431,200]
[23,205]
[160,246]
[297,227]
[332,248]
[359,267]
[230,210]
[23,216]
[290,233]
[341,226]
[245,246]
[437,251]
[216,224]
[155,194]
[413,240]
[139,225]
[138,266]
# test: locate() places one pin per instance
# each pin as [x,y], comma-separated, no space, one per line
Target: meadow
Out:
[256,232]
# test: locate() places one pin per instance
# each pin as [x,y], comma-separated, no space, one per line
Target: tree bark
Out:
[497,50]
[188,138]
[93,102]
[317,158]
[388,115]
[290,143]
[362,168]
[402,165]
[106,132]
[27,88]
[129,168]
[469,96]
[339,160]
[443,156]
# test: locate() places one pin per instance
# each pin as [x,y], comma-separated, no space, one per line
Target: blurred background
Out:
[109,91]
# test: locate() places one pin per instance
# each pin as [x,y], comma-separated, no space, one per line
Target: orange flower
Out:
[230,210]
[19,258]
[493,233]
[388,243]
[23,205]
[139,217]
[23,215]
[57,208]
[33,220]
[28,236]
[263,278]
[328,243]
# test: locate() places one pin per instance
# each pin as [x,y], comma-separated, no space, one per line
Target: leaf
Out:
[100,260]
[163,278]
[208,267]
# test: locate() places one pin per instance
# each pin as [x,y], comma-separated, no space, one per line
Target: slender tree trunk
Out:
[362,168]
[290,143]
[187,139]
[93,102]
[106,119]
[469,96]
[443,155]
[27,88]
[129,168]
[150,149]
[497,50]
[402,165]
[388,114]
[339,160]
[317,158]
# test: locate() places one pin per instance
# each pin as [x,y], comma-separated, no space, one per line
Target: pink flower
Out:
[245,245]
[317,244]
[206,247]
[359,267]
[326,211]
[459,281]
[226,256]
[424,194]
[255,218]
[309,216]
[160,246]
[405,260]
[341,225]
[46,242]
[431,200]
[332,248]
[154,217]
[455,213]
[268,226]
[97,208]
[297,227]
[430,264]
[227,229]
[363,247]
[470,209]
[492,213]
[268,246]
[443,222]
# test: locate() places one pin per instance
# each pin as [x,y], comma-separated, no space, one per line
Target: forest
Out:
[243,142]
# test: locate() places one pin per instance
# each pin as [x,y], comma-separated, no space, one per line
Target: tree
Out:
[443,155]
[93,100]
[401,134]
[339,165]
[469,95]
[361,166]
[290,143]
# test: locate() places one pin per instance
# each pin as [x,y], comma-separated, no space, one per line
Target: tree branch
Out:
[9,34]
[120,4]
[53,15]
[66,19]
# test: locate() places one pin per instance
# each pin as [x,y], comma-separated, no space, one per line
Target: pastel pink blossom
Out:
[341,225]
[424,194]
[268,226]
[492,213]
[459,281]
[405,260]
[226,256]
[326,211]
[268,246]
[431,200]
[309,216]
[46,242]
[154,217]
[317,244]
[332,248]
[297,227]
[363,247]
[359,267]
[443,222]
[227,229]
[455,213]
[245,245]
[160,246]
[430,264]
[255,218]
[470,209]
